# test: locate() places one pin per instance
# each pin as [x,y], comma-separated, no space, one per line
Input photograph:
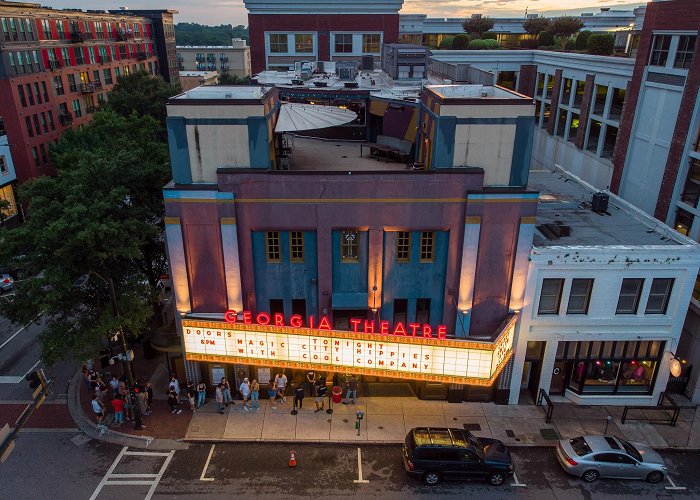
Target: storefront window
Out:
[601,376]
[636,376]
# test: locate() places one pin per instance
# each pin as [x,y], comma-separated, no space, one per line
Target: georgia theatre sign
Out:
[412,351]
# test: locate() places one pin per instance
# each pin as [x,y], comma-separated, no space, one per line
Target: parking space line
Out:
[673,485]
[19,331]
[517,483]
[206,466]
[359,469]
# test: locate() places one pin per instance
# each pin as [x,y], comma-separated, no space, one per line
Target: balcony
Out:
[199,58]
[211,66]
[123,36]
[77,37]
[211,59]
[201,66]
[225,67]
[54,65]
[90,110]
[141,56]
[180,66]
[87,88]
[223,59]
[65,119]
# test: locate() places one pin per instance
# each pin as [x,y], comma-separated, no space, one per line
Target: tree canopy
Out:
[142,94]
[536,25]
[199,34]
[460,42]
[478,25]
[564,27]
[229,79]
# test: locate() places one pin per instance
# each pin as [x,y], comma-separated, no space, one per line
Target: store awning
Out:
[296,117]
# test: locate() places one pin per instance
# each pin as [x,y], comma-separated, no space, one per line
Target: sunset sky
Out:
[233,12]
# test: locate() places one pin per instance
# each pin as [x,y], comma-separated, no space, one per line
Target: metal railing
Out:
[669,412]
[543,396]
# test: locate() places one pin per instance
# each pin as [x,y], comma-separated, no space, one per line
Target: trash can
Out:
[337,393]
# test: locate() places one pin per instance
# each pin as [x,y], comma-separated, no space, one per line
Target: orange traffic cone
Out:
[292,459]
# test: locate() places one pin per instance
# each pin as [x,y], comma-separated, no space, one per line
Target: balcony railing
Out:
[211,59]
[199,58]
[141,56]
[55,65]
[77,37]
[65,119]
[211,66]
[87,88]
[223,59]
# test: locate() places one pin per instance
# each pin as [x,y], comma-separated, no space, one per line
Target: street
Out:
[261,470]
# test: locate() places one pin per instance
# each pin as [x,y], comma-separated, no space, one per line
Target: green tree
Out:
[199,34]
[478,25]
[601,45]
[536,25]
[142,93]
[229,79]
[489,35]
[483,45]
[447,43]
[102,212]
[460,42]
[565,26]
[582,40]
[545,39]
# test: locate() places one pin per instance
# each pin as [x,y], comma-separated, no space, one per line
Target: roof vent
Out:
[599,203]
[554,231]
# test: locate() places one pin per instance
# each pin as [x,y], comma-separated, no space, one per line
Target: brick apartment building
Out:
[56,67]
[287,31]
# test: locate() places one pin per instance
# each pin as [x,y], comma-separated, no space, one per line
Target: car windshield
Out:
[631,450]
[580,446]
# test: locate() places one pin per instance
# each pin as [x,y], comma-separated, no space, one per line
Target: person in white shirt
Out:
[244,389]
[281,383]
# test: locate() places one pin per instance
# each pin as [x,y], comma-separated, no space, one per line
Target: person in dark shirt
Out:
[299,396]
[320,394]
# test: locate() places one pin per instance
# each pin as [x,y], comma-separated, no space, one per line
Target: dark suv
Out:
[435,454]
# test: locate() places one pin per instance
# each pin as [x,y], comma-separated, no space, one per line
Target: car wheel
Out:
[590,475]
[431,478]
[655,477]
[496,478]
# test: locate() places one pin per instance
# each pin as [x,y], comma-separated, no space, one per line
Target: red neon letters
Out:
[358,325]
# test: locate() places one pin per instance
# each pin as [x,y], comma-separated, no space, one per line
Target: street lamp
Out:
[128,355]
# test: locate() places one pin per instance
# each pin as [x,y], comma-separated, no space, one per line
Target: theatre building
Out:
[407,274]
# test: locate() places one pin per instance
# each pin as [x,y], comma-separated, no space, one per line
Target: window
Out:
[580,296]
[30,95]
[427,239]
[44,123]
[35,155]
[403,246]
[272,243]
[276,306]
[629,296]
[303,43]
[550,296]
[37,92]
[659,295]
[349,246]
[296,246]
[72,85]
[76,108]
[659,50]
[371,44]
[400,310]
[61,29]
[278,43]
[343,43]
[45,91]
[684,52]
[22,98]
[65,56]
[299,307]
[3,166]
[28,123]
[52,125]
[423,311]
[37,127]
[108,76]
[46,28]
[44,157]
[99,30]
[684,220]
[58,85]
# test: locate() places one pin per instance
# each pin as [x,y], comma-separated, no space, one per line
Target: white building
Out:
[233,59]
[606,296]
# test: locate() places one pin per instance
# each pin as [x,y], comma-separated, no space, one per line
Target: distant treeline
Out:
[200,34]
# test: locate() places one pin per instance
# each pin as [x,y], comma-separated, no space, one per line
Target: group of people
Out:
[116,394]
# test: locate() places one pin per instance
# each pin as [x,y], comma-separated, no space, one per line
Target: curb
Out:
[89,427]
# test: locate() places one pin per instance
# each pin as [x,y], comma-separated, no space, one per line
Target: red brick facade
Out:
[321,24]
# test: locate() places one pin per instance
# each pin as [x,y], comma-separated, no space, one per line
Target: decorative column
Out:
[470,248]
[232,265]
[178,264]
[586,108]
[522,261]
[554,106]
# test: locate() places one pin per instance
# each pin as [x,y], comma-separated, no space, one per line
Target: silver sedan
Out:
[591,457]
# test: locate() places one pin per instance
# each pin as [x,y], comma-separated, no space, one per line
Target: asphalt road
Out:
[63,466]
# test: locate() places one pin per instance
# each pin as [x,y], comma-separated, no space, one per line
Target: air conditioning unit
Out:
[599,203]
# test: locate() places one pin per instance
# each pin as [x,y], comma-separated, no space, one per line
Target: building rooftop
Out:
[221,92]
[201,74]
[565,205]
[474,92]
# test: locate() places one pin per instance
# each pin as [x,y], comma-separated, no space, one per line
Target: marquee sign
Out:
[421,356]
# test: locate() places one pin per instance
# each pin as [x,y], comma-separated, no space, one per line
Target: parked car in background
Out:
[434,454]
[6,282]
[591,457]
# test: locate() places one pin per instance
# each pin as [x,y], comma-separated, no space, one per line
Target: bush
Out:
[582,40]
[570,44]
[601,45]
[489,36]
[460,42]
[545,38]
[483,45]
[528,43]
[446,43]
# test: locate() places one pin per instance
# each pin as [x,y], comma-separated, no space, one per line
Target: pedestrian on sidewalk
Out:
[320,394]
[149,397]
[281,382]
[299,397]
[114,385]
[118,405]
[128,411]
[226,387]
[86,377]
[176,383]
[255,394]
[92,378]
[98,408]
[352,390]
[191,394]
[173,401]
[244,389]
[141,398]
[219,395]
[311,382]
[272,393]
[201,394]
[121,386]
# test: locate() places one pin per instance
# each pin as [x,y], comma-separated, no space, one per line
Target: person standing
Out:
[149,398]
[272,393]
[128,413]
[191,394]
[320,394]
[118,405]
[201,394]
[114,384]
[141,401]
[98,408]
[281,383]
[176,383]
[255,394]
[352,390]
[219,396]
[226,388]
[311,382]
[299,397]
[244,389]
[173,401]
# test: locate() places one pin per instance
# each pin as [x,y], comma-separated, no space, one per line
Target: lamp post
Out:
[126,360]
